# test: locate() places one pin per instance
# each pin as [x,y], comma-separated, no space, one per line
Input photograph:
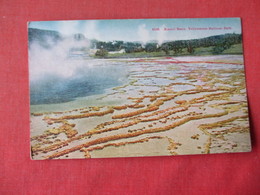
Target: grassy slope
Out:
[234,49]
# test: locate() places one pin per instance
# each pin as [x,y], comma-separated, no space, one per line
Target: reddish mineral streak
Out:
[59,145]
[86,115]
[134,134]
[87,155]
[185,62]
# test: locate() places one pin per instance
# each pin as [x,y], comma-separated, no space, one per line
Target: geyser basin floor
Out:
[168,106]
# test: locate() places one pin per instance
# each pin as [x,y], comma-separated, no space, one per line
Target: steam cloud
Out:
[161,35]
[145,36]
[56,77]
[143,33]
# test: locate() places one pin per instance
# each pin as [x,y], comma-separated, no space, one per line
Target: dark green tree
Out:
[101,52]
[151,47]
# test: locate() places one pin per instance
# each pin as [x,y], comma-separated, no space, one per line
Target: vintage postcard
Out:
[137,87]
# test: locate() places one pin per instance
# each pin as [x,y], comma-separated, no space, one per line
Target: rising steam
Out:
[56,75]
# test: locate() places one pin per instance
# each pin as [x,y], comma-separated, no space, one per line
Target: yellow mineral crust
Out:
[212,98]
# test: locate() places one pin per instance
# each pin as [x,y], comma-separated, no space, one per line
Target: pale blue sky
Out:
[142,29]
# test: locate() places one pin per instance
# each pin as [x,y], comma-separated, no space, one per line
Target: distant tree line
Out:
[218,42]
[46,38]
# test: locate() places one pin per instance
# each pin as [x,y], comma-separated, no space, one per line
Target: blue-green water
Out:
[86,81]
